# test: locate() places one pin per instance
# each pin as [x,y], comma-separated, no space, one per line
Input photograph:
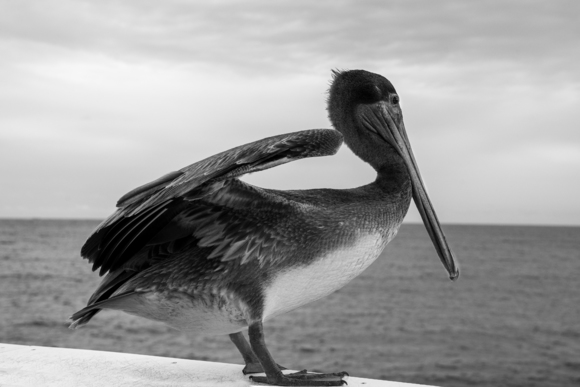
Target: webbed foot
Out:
[302,378]
[274,375]
[256,368]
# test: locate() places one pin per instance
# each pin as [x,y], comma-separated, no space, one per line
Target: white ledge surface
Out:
[22,365]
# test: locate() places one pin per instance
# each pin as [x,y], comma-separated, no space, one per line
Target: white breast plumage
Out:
[297,286]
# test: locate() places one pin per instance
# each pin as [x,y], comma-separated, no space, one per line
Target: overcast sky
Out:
[98,97]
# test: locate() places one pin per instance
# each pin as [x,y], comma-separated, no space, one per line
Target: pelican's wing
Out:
[180,204]
[252,157]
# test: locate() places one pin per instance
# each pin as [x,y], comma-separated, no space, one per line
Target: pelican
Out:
[204,252]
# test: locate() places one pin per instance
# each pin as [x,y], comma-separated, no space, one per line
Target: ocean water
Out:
[512,319]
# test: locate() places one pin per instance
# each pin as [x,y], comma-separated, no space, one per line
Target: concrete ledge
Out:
[26,366]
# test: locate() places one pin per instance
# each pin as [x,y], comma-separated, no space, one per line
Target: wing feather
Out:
[201,200]
[252,157]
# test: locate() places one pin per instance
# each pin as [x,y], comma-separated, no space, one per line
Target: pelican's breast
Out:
[298,285]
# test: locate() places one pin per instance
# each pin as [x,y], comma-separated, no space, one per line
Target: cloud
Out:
[103,96]
[260,37]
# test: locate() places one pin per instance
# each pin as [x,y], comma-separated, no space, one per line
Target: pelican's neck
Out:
[393,179]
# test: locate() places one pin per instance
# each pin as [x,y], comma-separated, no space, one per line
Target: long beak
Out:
[382,119]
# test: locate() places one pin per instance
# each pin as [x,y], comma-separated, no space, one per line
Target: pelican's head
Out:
[365,108]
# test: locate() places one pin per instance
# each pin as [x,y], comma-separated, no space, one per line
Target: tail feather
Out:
[110,284]
[82,317]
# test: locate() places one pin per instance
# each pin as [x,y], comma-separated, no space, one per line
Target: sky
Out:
[98,97]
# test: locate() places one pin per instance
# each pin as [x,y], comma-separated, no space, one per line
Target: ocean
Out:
[512,319]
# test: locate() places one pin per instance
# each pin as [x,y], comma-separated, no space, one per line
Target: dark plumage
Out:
[205,252]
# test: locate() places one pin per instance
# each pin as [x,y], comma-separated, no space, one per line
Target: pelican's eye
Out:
[395,99]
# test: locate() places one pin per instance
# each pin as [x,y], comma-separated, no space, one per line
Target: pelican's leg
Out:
[253,365]
[275,376]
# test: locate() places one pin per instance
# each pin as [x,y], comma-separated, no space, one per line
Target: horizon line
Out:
[404,222]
